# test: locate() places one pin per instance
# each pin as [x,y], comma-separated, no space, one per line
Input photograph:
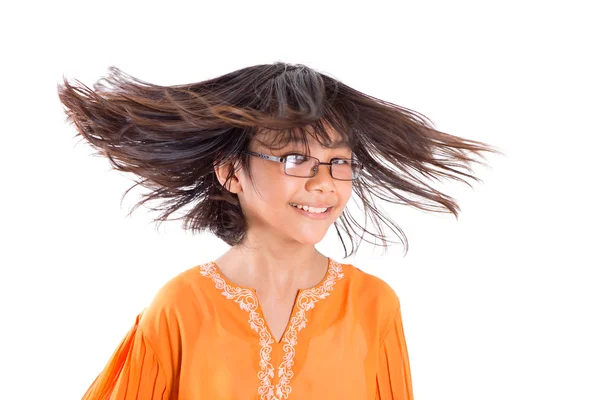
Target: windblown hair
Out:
[173,136]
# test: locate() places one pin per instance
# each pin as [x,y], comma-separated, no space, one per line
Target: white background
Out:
[502,303]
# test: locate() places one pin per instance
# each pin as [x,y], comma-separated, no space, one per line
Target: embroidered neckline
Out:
[248,301]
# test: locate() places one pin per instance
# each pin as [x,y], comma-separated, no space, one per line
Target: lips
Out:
[313,205]
[322,215]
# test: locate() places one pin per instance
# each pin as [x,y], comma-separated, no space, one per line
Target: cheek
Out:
[270,194]
[345,192]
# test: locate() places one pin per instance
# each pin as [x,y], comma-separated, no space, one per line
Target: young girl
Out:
[268,157]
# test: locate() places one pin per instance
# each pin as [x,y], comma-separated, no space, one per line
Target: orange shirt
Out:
[203,337]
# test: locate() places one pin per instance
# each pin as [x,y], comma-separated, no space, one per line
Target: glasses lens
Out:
[303,166]
[299,165]
[345,169]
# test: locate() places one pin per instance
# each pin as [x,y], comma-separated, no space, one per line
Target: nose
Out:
[322,180]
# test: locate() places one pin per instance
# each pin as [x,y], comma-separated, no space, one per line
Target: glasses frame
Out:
[315,170]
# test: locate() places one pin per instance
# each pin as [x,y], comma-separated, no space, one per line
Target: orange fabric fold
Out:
[133,371]
[394,380]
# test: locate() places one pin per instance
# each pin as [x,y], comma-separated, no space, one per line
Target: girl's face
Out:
[267,204]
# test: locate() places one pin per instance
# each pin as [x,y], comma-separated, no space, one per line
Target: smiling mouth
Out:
[301,206]
[323,214]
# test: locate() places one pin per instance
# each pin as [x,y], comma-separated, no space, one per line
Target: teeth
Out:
[309,209]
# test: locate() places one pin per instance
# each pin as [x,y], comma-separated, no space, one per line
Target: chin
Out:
[311,239]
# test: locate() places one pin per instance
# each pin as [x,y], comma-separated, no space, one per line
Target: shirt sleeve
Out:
[393,373]
[133,371]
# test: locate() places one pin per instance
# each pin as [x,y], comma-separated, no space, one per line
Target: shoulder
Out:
[373,299]
[175,300]
[175,290]
[371,288]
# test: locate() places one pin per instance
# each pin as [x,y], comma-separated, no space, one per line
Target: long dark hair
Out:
[173,136]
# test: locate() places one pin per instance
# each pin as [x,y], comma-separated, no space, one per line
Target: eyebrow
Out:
[337,145]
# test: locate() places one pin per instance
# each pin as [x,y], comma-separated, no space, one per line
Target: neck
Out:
[273,268]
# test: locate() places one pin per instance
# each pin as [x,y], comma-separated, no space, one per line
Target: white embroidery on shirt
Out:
[248,301]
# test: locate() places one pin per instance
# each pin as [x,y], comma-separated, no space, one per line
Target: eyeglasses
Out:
[302,166]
